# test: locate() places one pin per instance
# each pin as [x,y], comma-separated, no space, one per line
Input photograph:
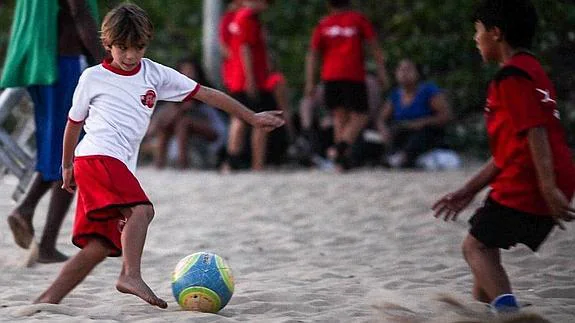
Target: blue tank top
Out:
[419,107]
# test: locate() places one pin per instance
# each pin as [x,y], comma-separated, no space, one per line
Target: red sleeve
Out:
[248,29]
[316,39]
[518,97]
[367,29]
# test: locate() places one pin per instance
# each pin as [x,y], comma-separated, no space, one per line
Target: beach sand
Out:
[304,246]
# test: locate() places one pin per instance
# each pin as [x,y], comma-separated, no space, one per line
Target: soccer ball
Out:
[202,282]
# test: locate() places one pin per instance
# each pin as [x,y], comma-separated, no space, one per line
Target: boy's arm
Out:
[450,205]
[482,178]
[248,64]
[71,135]
[543,161]
[268,120]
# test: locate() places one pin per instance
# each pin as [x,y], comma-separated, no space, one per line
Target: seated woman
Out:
[413,117]
[181,120]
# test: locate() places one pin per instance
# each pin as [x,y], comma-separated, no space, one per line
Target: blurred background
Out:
[436,33]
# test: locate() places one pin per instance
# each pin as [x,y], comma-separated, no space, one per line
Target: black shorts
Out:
[498,226]
[266,101]
[349,95]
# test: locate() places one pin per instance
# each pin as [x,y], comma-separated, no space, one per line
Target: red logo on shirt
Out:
[149,99]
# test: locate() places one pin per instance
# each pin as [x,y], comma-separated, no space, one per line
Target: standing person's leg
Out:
[75,271]
[236,136]
[259,141]
[133,240]
[20,219]
[60,201]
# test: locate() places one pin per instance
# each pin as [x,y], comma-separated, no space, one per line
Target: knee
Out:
[145,212]
[471,246]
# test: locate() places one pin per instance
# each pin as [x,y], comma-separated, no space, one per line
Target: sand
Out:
[304,246]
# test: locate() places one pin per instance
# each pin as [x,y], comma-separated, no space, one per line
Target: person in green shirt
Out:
[50,43]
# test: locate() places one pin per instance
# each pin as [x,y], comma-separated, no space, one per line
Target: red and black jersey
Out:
[246,29]
[522,97]
[339,38]
[225,36]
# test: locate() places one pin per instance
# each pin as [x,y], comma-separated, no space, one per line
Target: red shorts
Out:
[105,185]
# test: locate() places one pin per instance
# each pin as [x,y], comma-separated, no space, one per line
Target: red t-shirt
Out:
[519,98]
[339,38]
[247,29]
[225,36]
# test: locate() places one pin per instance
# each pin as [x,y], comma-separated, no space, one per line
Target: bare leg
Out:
[20,220]
[161,151]
[354,126]
[259,149]
[490,279]
[74,272]
[340,120]
[235,143]
[60,201]
[182,137]
[133,239]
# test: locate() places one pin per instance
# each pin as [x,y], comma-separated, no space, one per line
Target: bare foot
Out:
[22,230]
[139,288]
[51,257]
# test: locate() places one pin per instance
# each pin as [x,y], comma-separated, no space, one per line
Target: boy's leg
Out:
[20,220]
[133,239]
[74,271]
[60,201]
[490,277]
[259,149]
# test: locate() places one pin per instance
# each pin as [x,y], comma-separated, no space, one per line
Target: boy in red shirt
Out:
[338,39]
[531,173]
[247,81]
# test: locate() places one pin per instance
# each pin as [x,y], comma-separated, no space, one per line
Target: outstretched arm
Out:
[451,204]
[267,120]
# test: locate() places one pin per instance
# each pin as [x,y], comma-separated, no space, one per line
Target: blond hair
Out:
[126,24]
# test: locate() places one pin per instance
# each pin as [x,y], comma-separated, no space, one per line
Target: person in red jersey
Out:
[338,40]
[225,35]
[249,73]
[531,173]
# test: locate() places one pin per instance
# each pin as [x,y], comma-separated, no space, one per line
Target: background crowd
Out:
[442,54]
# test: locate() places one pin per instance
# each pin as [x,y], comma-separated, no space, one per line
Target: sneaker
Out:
[505,303]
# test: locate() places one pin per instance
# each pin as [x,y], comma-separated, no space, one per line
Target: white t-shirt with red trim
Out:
[116,106]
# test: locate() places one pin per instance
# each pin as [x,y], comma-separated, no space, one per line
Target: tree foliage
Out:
[438,34]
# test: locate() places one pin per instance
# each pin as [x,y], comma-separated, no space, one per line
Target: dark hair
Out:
[200,73]
[339,3]
[517,20]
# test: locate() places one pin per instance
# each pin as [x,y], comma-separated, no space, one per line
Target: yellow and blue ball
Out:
[202,282]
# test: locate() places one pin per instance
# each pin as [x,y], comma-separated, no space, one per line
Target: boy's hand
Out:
[450,205]
[559,206]
[268,120]
[68,179]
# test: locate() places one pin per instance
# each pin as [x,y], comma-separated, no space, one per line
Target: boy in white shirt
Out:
[113,103]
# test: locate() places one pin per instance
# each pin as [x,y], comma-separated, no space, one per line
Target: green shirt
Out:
[33,47]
